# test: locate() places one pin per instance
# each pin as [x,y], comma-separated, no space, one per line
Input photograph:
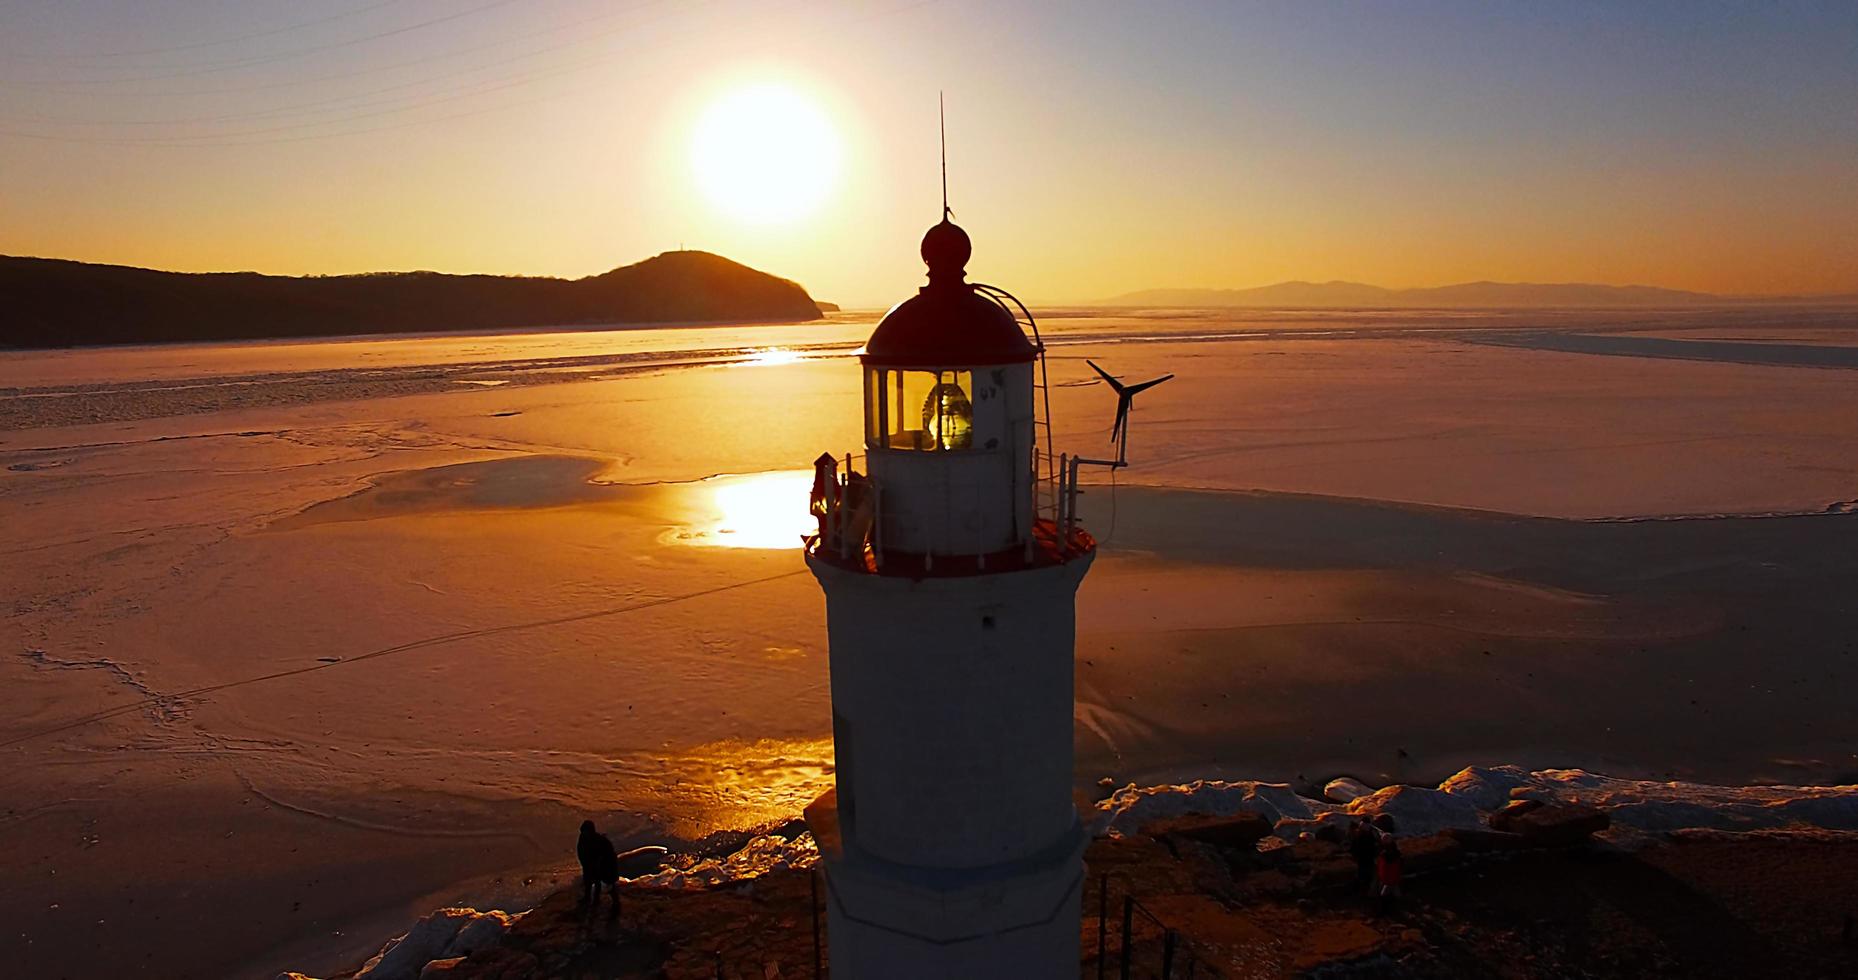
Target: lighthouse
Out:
[950,563]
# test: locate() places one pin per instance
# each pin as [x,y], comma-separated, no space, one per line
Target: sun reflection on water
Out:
[770,356]
[736,783]
[757,510]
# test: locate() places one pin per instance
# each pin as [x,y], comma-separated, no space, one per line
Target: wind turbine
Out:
[1125,398]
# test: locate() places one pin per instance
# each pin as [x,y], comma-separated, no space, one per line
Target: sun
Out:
[765,154]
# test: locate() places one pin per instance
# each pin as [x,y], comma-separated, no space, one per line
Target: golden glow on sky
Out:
[1094,147]
[765,154]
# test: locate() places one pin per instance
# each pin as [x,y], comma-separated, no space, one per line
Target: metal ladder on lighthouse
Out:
[1047,468]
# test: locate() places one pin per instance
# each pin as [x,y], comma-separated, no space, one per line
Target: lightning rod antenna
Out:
[941,113]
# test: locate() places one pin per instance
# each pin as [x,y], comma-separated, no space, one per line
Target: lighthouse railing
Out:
[1161,950]
[850,510]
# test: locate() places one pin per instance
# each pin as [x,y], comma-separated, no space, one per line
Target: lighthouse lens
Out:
[949,416]
[921,410]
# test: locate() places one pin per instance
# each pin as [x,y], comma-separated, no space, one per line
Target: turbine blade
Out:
[1144,386]
[1117,385]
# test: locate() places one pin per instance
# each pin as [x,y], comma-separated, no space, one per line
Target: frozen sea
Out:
[304,638]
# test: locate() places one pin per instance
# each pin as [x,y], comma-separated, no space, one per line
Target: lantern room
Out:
[948,415]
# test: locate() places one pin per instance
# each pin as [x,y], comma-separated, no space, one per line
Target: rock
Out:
[1505,818]
[1325,863]
[1240,830]
[496,964]
[1551,824]
[1333,872]
[1486,788]
[1422,854]
[1344,789]
[445,969]
[1309,851]
[1832,813]
[1326,826]
[483,932]
[445,933]
[1131,807]
[1485,841]
[642,861]
[1419,812]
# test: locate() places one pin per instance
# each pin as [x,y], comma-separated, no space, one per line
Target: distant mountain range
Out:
[1467,294]
[59,303]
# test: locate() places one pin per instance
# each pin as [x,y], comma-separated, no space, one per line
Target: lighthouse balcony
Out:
[851,512]
[1048,545]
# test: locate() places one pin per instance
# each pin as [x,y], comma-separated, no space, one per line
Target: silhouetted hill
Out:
[58,303]
[1468,294]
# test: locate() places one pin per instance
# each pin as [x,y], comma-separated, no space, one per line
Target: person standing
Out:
[1364,846]
[599,866]
[1388,871]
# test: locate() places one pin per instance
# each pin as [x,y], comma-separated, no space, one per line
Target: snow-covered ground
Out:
[1465,801]
[1639,811]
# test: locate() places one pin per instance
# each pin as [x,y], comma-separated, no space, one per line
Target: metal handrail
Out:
[1174,943]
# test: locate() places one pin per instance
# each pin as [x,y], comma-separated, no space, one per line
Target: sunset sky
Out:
[1094,148]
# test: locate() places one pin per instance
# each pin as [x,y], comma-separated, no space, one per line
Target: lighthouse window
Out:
[925,410]
[874,407]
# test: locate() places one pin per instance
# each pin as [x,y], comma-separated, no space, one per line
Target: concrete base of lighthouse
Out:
[1018,919]
[951,842]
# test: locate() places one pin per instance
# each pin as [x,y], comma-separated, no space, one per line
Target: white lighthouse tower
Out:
[952,844]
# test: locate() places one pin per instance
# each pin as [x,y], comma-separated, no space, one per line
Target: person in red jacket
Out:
[1387,868]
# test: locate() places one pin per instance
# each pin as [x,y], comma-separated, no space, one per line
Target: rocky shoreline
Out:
[1513,873]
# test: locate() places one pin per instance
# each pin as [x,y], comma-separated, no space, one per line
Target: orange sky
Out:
[1094,148]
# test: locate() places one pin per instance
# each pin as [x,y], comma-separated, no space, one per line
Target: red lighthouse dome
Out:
[947,323]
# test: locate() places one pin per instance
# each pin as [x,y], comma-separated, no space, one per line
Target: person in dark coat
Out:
[599,865]
[1364,845]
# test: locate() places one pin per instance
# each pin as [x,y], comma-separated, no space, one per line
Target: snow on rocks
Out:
[1292,829]
[1344,789]
[1131,808]
[759,856]
[1240,830]
[1651,806]
[1486,788]
[1549,824]
[1465,801]
[444,934]
[1417,811]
